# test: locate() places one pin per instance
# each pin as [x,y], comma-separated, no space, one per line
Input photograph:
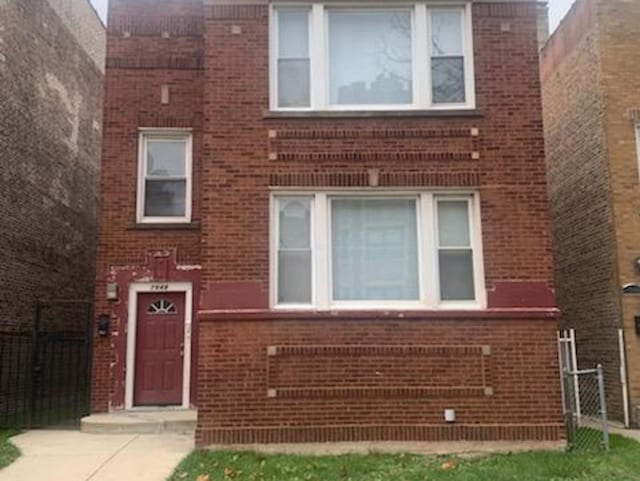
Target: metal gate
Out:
[45,367]
[583,397]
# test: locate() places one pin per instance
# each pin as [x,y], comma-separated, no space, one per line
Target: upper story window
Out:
[164,177]
[384,251]
[413,56]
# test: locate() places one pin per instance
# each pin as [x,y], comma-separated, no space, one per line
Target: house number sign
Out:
[159,287]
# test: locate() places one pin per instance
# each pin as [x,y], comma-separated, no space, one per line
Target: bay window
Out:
[332,57]
[414,251]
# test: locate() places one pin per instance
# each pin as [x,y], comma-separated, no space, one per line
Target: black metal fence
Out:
[45,371]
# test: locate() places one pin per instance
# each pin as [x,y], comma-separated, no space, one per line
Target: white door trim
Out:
[148,287]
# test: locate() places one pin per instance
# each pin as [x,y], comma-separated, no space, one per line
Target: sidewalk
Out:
[75,456]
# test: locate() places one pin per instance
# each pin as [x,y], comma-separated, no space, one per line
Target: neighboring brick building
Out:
[278,236]
[51,80]
[591,91]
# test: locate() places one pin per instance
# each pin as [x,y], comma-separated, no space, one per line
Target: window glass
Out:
[166,158]
[293,33]
[294,79]
[456,275]
[453,224]
[446,33]
[370,57]
[294,250]
[455,255]
[447,59]
[374,249]
[165,198]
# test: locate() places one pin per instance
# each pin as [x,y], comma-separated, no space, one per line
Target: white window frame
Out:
[428,274]
[421,52]
[169,133]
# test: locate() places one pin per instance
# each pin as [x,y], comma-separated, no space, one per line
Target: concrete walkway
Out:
[627,433]
[75,456]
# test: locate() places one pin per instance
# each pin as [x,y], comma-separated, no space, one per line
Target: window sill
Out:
[345,114]
[369,315]
[164,226]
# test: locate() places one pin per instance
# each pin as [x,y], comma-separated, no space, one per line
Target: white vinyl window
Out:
[354,250]
[408,56]
[164,177]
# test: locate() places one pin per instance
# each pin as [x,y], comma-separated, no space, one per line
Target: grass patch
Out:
[8,452]
[622,463]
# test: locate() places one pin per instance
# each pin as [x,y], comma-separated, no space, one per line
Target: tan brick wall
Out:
[84,24]
[619,42]
[584,239]
[591,99]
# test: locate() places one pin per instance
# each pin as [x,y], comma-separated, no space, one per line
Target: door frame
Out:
[132,312]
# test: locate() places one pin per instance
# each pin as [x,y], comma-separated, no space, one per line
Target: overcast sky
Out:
[557,10]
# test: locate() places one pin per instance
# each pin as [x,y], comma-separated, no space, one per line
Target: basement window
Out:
[164,177]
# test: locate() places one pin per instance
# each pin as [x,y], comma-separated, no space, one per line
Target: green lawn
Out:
[8,452]
[622,463]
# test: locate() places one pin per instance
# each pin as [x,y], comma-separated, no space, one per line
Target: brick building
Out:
[51,78]
[311,242]
[591,114]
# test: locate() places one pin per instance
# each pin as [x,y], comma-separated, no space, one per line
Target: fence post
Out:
[603,407]
[35,371]
[576,381]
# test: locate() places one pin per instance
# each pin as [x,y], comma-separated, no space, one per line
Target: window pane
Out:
[453,224]
[293,83]
[370,57]
[446,33]
[165,198]
[166,158]
[294,250]
[293,33]
[374,249]
[447,74]
[294,277]
[295,223]
[456,275]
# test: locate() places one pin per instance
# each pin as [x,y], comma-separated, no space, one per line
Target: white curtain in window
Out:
[165,178]
[294,250]
[294,85]
[374,249]
[455,254]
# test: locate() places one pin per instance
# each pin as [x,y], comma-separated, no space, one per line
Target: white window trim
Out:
[145,287]
[427,251]
[145,133]
[421,61]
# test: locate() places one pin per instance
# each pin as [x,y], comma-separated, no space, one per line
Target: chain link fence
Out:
[584,399]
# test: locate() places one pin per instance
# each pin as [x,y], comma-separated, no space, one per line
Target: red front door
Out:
[159,350]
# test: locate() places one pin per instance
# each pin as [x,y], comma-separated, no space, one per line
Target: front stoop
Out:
[141,422]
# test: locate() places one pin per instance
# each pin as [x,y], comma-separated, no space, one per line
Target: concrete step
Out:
[181,421]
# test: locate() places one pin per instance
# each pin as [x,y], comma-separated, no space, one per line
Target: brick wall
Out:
[243,152]
[139,62]
[352,380]
[618,22]
[589,103]
[50,112]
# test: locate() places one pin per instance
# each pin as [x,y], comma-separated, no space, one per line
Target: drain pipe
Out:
[623,377]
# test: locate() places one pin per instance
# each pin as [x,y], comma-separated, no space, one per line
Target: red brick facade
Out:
[266,376]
